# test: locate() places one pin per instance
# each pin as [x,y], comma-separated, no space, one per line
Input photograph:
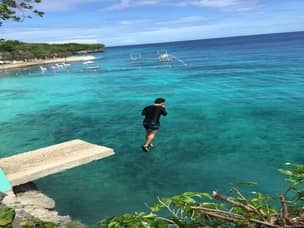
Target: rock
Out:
[36,199]
[47,215]
[2,195]
[28,202]
[25,188]
[21,213]
[10,200]
[73,224]
[16,222]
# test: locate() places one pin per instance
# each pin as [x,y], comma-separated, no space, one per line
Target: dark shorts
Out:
[151,126]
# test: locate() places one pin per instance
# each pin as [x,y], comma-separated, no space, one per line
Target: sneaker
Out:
[150,146]
[146,149]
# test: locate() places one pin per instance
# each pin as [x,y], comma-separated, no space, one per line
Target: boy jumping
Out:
[151,122]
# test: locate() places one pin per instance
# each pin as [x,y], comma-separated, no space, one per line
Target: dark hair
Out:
[159,100]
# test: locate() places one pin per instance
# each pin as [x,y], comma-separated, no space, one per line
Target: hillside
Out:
[16,50]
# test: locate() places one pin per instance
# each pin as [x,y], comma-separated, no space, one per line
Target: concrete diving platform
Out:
[32,165]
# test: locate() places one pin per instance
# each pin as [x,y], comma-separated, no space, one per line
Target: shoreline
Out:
[74,58]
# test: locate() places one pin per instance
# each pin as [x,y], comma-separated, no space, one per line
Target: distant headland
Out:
[14,54]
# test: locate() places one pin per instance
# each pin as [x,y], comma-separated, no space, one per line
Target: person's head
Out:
[159,101]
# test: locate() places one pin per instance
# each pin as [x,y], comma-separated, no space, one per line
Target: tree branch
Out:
[168,207]
[248,208]
[284,211]
[230,217]
[247,202]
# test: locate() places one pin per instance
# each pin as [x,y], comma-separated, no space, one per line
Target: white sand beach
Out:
[18,64]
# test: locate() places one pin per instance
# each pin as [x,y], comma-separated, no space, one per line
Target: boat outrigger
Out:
[164,56]
[90,65]
[135,56]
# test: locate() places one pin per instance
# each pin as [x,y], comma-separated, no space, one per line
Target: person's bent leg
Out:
[150,137]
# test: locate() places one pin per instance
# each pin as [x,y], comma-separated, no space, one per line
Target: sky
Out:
[128,22]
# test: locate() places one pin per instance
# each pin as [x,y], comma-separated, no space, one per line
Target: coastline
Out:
[46,61]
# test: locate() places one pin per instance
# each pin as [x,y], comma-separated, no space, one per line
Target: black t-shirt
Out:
[152,113]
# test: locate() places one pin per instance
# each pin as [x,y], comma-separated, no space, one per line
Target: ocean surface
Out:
[235,113]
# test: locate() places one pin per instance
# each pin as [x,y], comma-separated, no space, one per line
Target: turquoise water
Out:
[236,113]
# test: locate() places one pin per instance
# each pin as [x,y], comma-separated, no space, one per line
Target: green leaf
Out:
[6,216]
[204,195]
[156,207]
[149,216]
[145,224]
[286,172]
[210,205]
[198,194]
[113,224]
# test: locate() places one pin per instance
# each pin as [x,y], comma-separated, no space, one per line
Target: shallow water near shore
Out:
[236,113]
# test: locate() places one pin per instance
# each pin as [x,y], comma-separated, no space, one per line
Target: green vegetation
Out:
[16,50]
[253,209]
[7,216]
[74,224]
[193,209]
[18,10]
[30,223]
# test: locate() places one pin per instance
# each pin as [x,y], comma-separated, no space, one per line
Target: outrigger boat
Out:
[43,69]
[89,65]
[164,56]
[135,56]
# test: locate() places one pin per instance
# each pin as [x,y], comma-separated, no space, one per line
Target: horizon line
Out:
[213,38]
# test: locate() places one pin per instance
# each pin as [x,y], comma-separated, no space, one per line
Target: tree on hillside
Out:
[17,10]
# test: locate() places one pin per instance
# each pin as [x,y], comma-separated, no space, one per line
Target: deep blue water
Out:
[236,113]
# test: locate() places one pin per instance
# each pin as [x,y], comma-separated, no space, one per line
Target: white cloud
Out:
[185,20]
[172,22]
[65,5]
[87,36]
[159,34]
[54,35]
[121,5]
[83,41]
[135,21]
[133,29]
[122,34]
[113,5]
[235,5]
[216,3]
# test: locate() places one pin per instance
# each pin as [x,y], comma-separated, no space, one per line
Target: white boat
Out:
[88,62]
[66,64]
[90,65]
[59,66]
[135,56]
[53,67]
[164,56]
[43,69]
[62,65]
